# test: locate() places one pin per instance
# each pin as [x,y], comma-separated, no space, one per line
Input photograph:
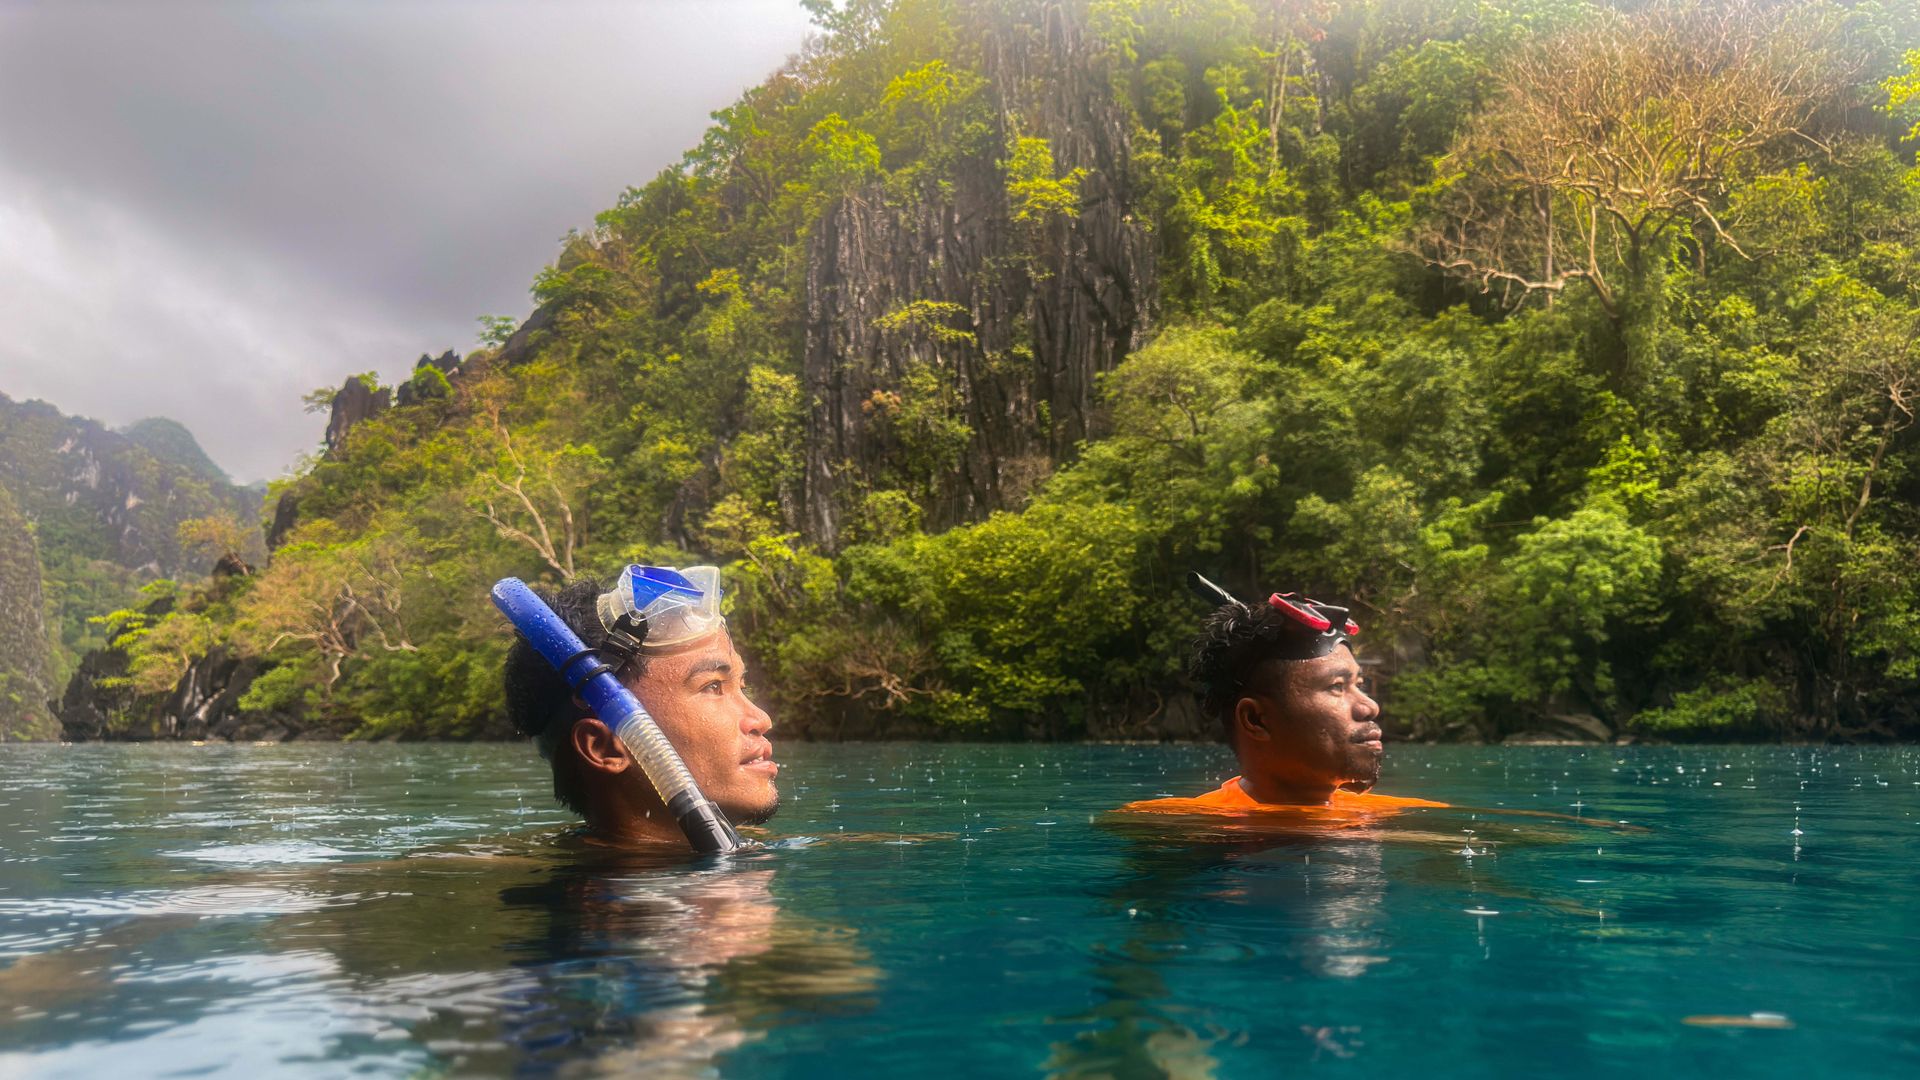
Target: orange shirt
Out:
[1231,798]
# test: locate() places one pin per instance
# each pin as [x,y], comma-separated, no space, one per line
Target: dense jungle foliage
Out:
[1574,342]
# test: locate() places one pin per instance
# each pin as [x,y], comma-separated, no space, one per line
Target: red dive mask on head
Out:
[1323,626]
[1318,628]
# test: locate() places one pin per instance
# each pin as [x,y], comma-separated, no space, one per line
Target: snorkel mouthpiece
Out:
[592,678]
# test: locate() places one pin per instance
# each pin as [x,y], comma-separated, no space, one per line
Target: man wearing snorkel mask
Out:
[661,632]
[1284,684]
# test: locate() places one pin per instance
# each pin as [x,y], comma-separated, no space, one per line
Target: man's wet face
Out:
[698,696]
[1328,728]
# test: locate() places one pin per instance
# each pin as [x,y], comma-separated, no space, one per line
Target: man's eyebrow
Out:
[704,666]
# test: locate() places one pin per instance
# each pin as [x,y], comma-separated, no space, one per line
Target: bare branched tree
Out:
[335,600]
[376,592]
[529,495]
[1609,140]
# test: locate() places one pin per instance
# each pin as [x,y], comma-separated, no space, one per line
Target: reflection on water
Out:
[584,960]
[408,911]
[510,952]
[1320,886]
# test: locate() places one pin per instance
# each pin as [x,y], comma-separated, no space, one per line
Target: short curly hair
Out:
[540,704]
[1235,643]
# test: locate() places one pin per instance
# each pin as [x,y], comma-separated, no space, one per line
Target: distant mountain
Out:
[104,508]
[171,442]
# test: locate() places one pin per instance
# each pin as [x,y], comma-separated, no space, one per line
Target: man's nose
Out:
[757,721]
[1364,707]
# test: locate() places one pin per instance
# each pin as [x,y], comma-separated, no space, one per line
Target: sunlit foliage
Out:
[1575,343]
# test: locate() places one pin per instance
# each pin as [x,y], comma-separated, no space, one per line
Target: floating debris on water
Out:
[1763,1020]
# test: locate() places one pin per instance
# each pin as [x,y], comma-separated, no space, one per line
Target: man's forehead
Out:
[1339,661]
[711,653]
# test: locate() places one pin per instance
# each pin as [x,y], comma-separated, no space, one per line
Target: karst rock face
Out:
[359,400]
[95,493]
[1029,312]
[205,704]
[448,364]
[25,649]
[355,401]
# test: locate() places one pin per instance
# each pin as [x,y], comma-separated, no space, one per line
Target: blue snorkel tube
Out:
[707,828]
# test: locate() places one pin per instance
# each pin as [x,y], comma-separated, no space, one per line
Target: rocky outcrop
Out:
[205,704]
[1026,312]
[286,514]
[105,509]
[526,341]
[447,364]
[95,704]
[355,401]
[25,650]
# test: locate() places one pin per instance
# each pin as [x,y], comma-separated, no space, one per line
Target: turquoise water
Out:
[408,910]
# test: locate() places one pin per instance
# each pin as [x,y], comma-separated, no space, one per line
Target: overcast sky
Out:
[208,209]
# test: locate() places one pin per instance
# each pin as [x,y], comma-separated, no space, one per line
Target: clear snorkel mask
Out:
[652,608]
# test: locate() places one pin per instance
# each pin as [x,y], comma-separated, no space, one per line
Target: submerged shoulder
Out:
[1373,801]
[1230,797]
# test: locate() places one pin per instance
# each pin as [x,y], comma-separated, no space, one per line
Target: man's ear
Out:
[1250,719]
[598,748]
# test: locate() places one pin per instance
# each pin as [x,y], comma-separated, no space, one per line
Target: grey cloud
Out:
[260,200]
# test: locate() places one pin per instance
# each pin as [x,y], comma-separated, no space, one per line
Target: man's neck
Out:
[1277,791]
[625,827]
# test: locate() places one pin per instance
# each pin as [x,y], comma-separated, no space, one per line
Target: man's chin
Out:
[1365,772]
[758,814]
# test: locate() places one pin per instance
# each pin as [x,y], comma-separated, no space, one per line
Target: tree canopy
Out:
[1577,343]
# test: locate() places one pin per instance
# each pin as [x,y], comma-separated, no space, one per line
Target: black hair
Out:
[540,704]
[1234,644]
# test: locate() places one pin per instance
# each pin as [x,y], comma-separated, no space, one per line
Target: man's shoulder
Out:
[1231,798]
[1375,801]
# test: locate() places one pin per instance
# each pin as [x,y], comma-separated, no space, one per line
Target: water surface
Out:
[415,911]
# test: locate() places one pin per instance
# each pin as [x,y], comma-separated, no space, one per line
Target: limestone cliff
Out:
[102,495]
[97,703]
[25,660]
[1042,307]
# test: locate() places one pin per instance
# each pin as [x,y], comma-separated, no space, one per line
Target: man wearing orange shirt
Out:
[1288,692]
